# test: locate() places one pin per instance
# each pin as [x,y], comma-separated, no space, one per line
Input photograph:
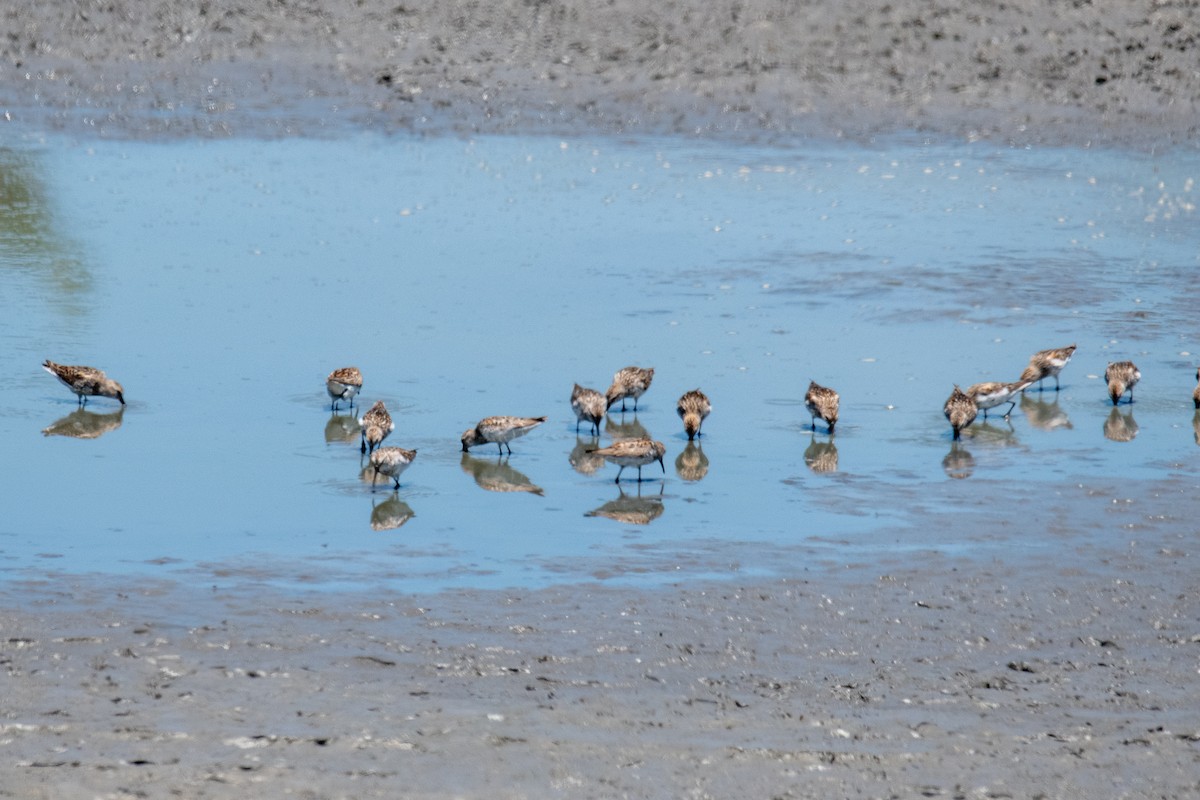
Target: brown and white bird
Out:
[960,410]
[391,462]
[1121,377]
[1196,391]
[499,431]
[588,405]
[692,408]
[85,381]
[376,424]
[343,384]
[994,393]
[1046,363]
[822,402]
[633,453]
[629,382]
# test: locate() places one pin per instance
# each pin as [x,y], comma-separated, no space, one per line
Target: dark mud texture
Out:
[1025,71]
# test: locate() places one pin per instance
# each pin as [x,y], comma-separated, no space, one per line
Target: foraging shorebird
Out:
[391,461]
[343,384]
[822,402]
[629,382]
[1121,377]
[376,424]
[85,381]
[994,393]
[960,410]
[588,405]
[633,453]
[693,408]
[499,431]
[1046,363]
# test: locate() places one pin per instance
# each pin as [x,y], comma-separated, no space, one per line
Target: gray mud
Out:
[1087,72]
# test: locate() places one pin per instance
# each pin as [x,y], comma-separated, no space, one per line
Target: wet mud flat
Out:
[918,675]
[1027,72]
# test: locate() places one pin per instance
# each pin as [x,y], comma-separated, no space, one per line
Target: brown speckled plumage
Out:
[960,410]
[823,402]
[85,381]
[692,408]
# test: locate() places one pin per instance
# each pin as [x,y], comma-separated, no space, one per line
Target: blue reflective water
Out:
[220,281]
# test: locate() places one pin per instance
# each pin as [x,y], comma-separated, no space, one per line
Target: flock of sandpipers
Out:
[590,406]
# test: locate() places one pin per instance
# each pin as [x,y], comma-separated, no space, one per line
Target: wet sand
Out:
[920,675]
[1088,72]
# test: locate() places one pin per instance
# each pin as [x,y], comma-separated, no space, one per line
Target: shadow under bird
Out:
[629,382]
[376,424]
[823,402]
[960,410]
[391,462]
[499,431]
[1047,363]
[588,405]
[994,393]
[85,382]
[633,453]
[1121,377]
[693,408]
[343,384]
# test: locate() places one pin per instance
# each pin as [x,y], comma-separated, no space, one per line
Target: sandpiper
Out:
[1196,391]
[343,384]
[629,382]
[960,409]
[391,461]
[85,381]
[994,393]
[376,424]
[822,402]
[1046,363]
[1121,377]
[693,408]
[588,405]
[633,453]
[499,431]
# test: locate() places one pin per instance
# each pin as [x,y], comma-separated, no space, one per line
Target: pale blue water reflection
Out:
[222,281]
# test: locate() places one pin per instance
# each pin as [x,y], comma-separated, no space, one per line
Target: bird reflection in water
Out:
[85,424]
[991,433]
[631,509]
[958,463]
[1044,415]
[581,460]
[496,475]
[691,464]
[390,514]
[341,428]
[1196,426]
[1120,425]
[625,430]
[821,457]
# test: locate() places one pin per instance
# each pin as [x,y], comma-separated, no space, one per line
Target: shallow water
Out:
[221,281]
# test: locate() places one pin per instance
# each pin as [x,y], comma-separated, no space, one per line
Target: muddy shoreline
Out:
[1097,73]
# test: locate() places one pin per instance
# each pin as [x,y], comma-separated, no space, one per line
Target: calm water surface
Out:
[221,281]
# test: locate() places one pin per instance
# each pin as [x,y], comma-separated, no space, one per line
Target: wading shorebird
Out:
[1047,363]
[1196,391]
[960,409]
[343,384]
[85,381]
[822,402]
[629,382]
[376,424]
[391,461]
[693,408]
[499,431]
[994,393]
[1121,377]
[588,405]
[633,453]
